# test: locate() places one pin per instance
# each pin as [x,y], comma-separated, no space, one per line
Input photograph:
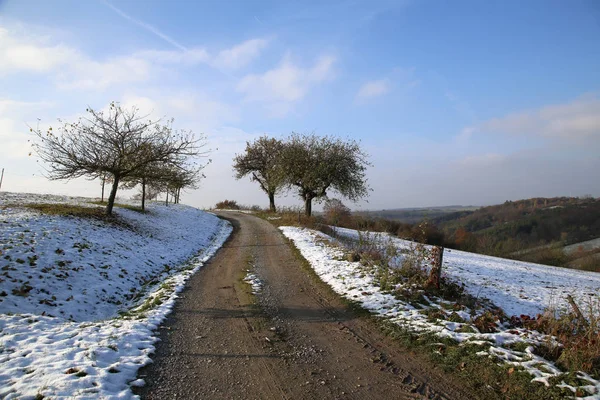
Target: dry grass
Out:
[121,205]
[68,210]
[579,339]
[71,210]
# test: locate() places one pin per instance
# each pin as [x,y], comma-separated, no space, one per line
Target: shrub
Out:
[227,205]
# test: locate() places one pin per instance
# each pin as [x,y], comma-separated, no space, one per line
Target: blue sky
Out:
[458,102]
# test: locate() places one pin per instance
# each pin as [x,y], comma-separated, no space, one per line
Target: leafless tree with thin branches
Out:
[119,143]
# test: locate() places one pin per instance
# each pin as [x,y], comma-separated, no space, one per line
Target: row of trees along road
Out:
[123,147]
[311,164]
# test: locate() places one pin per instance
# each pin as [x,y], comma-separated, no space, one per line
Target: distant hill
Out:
[415,215]
[535,229]
[568,219]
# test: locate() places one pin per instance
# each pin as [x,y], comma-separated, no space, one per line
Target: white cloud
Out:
[15,116]
[94,75]
[373,89]
[72,69]
[574,121]
[190,110]
[31,55]
[287,83]
[240,55]
[68,67]
[9,106]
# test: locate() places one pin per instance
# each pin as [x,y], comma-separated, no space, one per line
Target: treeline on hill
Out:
[518,225]
[535,230]
[415,215]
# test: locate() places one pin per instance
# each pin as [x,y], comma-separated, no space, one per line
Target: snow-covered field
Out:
[517,287]
[80,298]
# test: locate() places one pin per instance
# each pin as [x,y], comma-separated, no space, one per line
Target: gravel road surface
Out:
[293,340]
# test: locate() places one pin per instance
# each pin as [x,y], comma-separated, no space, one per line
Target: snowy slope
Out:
[519,287]
[515,286]
[80,298]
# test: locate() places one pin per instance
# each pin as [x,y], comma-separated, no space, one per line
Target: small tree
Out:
[180,177]
[262,161]
[335,211]
[315,165]
[119,143]
[164,177]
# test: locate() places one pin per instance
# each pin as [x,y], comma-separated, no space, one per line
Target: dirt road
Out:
[295,340]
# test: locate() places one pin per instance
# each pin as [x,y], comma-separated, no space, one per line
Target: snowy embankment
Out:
[80,298]
[517,287]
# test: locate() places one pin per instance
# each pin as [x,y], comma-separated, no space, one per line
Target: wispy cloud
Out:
[373,89]
[235,57]
[146,26]
[71,68]
[23,53]
[285,84]
[240,55]
[575,121]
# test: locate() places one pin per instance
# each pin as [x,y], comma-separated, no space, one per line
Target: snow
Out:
[236,210]
[254,281]
[519,288]
[585,246]
[81,299]
[515,286]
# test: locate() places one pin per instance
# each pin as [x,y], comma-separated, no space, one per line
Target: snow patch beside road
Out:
[81,298]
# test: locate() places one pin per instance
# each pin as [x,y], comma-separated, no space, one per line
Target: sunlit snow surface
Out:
[517,287]
[64,281]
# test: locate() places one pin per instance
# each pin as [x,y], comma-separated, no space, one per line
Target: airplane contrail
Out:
[146,26]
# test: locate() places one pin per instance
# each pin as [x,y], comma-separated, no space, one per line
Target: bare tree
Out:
[119,143]
[178,177]
[262,161]
[316,165]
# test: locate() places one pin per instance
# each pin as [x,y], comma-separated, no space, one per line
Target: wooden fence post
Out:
[578,312]
[436,266]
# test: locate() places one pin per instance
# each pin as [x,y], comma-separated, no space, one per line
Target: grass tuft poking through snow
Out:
[81,297]
[517,288]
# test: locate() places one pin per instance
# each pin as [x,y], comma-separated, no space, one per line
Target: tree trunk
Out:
[113,194]
[167,198]
[308,206]
[103,182]
[143,194]
[272,202]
